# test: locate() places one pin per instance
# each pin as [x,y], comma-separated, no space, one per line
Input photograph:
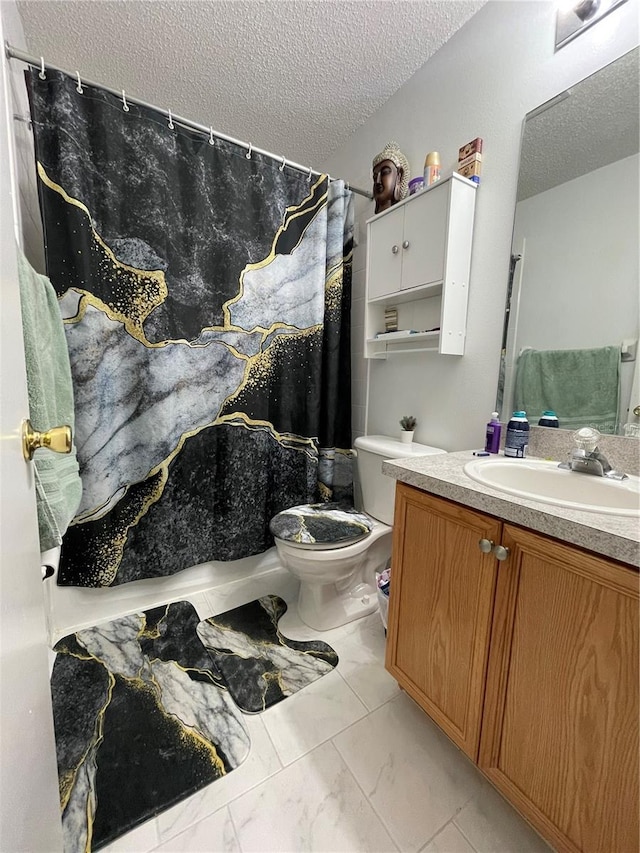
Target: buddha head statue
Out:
[390,176]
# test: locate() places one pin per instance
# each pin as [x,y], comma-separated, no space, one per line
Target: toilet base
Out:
[321,609]
[338,585]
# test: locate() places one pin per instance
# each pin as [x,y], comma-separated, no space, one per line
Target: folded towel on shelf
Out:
[58,484]
[581,385]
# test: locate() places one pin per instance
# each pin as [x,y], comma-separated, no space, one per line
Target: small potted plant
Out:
[408,424]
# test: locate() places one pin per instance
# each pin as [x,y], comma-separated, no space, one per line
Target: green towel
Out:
[581,386]
[58,484]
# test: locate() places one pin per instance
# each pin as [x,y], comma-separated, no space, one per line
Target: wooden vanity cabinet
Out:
[440,610]
[560,720]
[544,667]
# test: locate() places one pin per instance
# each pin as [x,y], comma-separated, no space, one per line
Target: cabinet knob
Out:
[394,249]
[405,245]
[486,545]
[500,552]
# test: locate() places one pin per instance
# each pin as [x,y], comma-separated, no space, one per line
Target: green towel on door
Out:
[58,484]
[581,386]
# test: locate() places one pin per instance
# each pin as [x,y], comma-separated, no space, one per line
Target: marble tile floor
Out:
[350,763]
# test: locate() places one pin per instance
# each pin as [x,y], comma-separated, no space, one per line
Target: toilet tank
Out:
[378,490]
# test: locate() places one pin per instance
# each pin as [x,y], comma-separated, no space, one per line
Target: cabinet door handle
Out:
[405,245]
[500,552]
[394,249]
[486,545]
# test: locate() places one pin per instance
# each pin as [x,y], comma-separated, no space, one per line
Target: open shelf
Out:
[410,294]
[383,347]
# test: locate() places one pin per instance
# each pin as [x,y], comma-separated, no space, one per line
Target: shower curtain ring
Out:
[125,105]
[211,139]
[282,165]
[79,88]
[171,124]
[248,154]
[42,75]
[309,175]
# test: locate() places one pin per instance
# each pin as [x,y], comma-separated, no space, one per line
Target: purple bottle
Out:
[494,427]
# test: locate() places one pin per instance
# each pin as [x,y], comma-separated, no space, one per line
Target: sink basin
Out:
[543,481]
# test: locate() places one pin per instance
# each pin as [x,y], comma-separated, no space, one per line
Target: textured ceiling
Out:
[596,124]
[291,76]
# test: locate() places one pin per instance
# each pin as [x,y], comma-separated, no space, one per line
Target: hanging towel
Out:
[58,484]
[580,385]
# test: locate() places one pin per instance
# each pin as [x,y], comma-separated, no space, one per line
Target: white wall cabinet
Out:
[418,261]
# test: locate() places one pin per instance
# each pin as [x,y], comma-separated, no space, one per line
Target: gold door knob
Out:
[57,439]
[636,411]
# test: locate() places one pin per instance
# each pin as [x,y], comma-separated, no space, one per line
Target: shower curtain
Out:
[206,296]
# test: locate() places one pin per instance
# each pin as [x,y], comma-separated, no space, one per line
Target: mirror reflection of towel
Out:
[58,484]
[581,386]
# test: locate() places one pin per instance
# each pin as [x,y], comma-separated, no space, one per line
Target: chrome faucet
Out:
[587,458]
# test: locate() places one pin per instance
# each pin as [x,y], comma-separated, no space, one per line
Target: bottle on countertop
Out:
[431,168]
[517,440]
[549,419]
[494,427]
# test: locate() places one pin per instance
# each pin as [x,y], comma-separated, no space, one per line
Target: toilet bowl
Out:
[334,552]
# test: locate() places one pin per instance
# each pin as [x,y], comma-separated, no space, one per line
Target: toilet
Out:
[335,552]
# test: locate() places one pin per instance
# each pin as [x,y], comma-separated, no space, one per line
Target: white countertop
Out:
[613,536]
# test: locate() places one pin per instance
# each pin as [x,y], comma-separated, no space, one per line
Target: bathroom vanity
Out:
[514,625]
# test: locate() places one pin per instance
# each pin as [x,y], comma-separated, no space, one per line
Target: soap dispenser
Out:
[494,428]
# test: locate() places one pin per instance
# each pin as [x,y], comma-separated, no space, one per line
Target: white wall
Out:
[580,268]
[498,67]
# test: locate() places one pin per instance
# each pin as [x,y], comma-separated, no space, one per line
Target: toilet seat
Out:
[321,526]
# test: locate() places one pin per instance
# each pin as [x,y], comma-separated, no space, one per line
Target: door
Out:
[29,804]
[424,237]
[440,610]
[384,254]
[560,732]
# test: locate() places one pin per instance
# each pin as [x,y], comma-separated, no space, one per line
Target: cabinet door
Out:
[560,732]
[384,264]
[440,610]
[423,242]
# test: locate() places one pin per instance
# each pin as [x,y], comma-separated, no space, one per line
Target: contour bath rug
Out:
[141,722]
[259,666]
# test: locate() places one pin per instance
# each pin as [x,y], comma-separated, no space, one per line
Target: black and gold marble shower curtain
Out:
[206,300]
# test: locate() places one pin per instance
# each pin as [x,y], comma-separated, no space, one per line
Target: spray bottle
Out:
[431,168]
[517,440]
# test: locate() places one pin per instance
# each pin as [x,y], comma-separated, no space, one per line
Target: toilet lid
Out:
[321,524]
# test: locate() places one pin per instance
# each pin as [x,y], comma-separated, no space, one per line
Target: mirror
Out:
[574,274]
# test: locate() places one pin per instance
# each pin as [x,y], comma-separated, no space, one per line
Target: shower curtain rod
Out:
[38,62]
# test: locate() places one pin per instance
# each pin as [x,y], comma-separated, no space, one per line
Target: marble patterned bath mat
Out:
[142,721]
[261,667]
